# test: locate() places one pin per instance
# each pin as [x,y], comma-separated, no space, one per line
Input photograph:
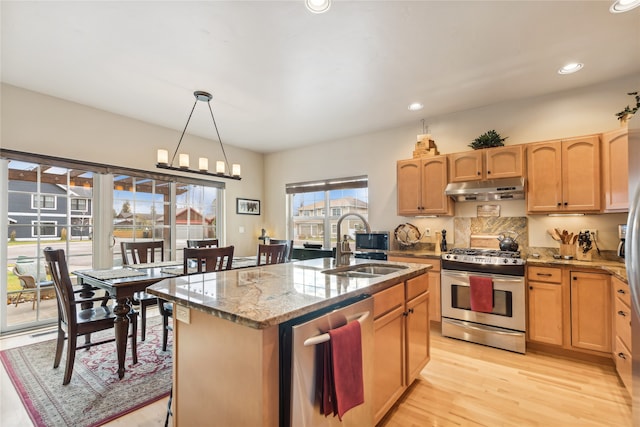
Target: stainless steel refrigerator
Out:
[632,258]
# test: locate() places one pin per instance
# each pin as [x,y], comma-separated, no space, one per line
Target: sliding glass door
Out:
[47,206]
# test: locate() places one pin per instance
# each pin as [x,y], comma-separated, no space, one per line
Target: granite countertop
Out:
[615,268]
[417,253]
[268,295]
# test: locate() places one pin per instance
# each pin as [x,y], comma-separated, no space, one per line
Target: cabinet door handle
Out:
[488,172]
[565,203]
[531,287]
[622,313]
[622,356]
[621,291]
[559,204]
[479,173]
[574,278]
[544,274]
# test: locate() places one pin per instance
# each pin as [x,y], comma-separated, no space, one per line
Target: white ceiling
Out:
[283,77]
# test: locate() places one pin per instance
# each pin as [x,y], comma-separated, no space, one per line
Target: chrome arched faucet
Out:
[339,234]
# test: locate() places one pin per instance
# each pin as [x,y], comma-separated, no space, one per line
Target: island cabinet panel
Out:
[421,183]
[487,163]
[591,311]
[564,175]
[545,305]
[615,170]
[434,283]
[389,381]
[236,368]
[401,336]
[622,330]
[417,320]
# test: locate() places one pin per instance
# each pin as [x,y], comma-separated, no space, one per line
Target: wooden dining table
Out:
[123,282]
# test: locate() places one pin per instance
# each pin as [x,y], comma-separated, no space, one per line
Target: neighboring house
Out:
[308,223]
[188,219]
[53,204]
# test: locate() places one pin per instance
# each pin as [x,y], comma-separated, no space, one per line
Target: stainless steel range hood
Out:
[482,191]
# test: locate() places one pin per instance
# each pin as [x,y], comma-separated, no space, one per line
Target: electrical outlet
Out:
[427,232]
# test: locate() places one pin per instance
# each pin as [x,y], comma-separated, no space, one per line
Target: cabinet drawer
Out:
[623,321]
[544,274]
[417,285]
[621,290]
[622,359]
[388,300]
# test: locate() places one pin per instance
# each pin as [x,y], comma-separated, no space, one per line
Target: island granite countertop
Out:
[260,297]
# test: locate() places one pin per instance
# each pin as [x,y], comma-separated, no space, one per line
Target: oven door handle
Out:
[465,275]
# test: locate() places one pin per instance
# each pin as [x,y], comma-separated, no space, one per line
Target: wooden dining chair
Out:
[74,322]
[205,243]
[142,253]
[271,254]
[206,260]
[289,244]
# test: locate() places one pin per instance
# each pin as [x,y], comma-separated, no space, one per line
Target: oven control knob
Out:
[505,260]
[515,261]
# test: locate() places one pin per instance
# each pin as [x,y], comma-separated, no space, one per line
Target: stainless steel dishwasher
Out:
[299,406]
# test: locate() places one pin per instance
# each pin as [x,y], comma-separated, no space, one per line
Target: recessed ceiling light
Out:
[571,68]
[620,6]
[318,6]
[415,106]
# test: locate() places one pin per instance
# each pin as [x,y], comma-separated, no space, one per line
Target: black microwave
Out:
[376,241]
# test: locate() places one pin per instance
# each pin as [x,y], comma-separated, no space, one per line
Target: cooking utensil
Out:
[554,234]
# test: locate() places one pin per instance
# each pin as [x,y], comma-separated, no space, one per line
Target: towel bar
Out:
[326,337]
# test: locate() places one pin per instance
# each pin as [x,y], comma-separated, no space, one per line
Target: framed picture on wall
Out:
[247,206]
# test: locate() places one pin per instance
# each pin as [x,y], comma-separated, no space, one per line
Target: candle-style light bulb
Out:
[184,161]
[163,156]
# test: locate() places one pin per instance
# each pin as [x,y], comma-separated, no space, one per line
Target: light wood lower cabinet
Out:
[591,311]
[570,308]
[545,305]
[622,330]
[435,314]
[401,340]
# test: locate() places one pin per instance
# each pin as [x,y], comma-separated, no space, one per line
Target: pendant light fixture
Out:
[222,167]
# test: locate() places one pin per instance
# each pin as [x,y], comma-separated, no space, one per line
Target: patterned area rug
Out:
[95,395]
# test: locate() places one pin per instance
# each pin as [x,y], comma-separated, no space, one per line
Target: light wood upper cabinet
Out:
[615,170]
[564,175]
[421,184]
[488,163]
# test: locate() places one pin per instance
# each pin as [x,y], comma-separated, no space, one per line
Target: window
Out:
[79,204]
[44,229]
[316,206]
[43,202]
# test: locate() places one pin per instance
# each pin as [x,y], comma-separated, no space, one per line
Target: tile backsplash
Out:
[515,227]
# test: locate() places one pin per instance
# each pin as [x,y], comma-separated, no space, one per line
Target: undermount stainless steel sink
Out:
[365,270]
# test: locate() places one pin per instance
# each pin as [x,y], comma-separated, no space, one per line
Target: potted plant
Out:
[488,139]
[628,112]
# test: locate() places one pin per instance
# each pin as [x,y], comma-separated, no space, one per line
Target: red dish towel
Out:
[346,366]
[481,294]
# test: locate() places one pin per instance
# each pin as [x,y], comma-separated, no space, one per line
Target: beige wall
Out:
[563,114]
[36,123]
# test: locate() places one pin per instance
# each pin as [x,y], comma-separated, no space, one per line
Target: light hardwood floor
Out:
[464,385]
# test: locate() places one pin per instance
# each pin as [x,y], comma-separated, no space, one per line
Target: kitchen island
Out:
[226,333]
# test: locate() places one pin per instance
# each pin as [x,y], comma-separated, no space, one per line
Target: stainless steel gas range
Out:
[505,325]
